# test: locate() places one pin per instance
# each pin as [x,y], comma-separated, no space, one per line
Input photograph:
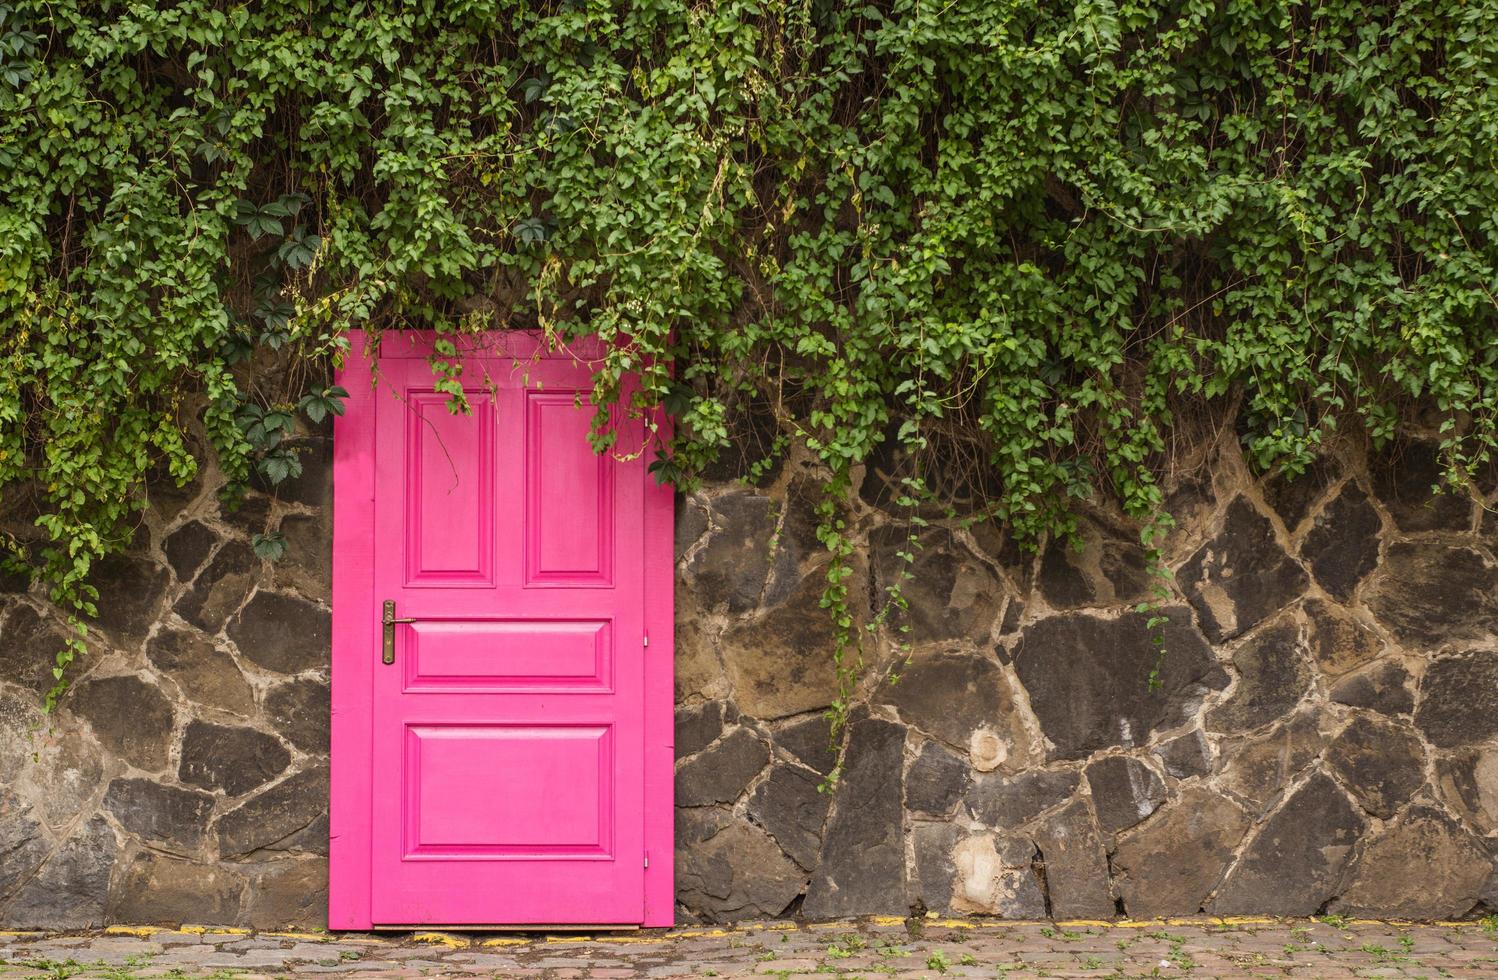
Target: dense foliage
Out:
[1021,233]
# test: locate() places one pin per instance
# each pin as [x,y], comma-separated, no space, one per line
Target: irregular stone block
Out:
[154,889]
[996,801]
[1108,569]
[220,588]
[697,727]
[1185,755]
[230,758]
[781,663]
[1342,546]
[1076,864]
[810,741]
[24,843]
[307,565]
[188,547]
[691,522]
[130,590]
[789,805]
[71,890]
[720,772]
[301,711]
[206,674]
[1294,864]
[1171,863]
[862,867]
[1258,768]
[936,781]
[950,593]
[1422,866]
[1339,642]
[1404,477]
[1292,497]
[1089,679]
[30,648]
[1380,762]
[171,818]
[1272,678]
[1468,780]
[954,695]
[130,718]
[1241,576]
[730,570]
[995,875]
[292,895]
[727,869]
[1384,687]
[283,633]
[933,874]
[1459,699]
[1431,594]
[1124,791]
[276,818]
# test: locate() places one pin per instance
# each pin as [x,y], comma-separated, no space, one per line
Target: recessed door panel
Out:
[449,487]
[569,495]
[514,655]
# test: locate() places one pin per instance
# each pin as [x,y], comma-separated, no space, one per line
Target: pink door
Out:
[507,763]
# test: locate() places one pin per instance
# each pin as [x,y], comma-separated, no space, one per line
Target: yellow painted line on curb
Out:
[699,934]
[213,931]
[440,939]
[316,937]
[144,932]
[570,939]
[1083,924]
[504,941]
[887,920]
[21,932]
[636,940]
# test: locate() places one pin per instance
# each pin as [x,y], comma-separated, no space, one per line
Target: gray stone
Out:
[1459,699]
[1404,477]
[71,890]
[1170,864]
[1383,687]
[250,514]
[307,565]
[130,590]
[1291,496]
[1076,864]
[1185,755]
[283,817]
[955,695]
[697,726]
[790,806]
[154,889]
[230,758]
[1108,569]
[1342,546]
[1272,678]
[1295,862]
[1259,768]
[936,781]
[30,649]
[730,570]
[691,522]
[130,718]
[61,773]
[1431,594]
[1422,866]
[206,674]
[863,853]
[810,741]
[994,874]
[188,547]
[24,844]
[1468,780]
[727,869]
[283,633]
[1089,678]
[781,664]
[720,773]
[950,593]
[1242,576]
[997,801]
[300,710]
[932,874]
[1380,762]
[172,819]
[292,895]
[220,588]
[1338,642]
[1124,791]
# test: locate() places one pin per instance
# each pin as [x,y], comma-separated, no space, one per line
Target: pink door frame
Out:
[356,640]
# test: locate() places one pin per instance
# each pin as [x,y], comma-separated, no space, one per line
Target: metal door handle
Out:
[388,621]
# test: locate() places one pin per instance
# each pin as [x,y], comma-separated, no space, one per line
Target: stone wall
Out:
[1318,732]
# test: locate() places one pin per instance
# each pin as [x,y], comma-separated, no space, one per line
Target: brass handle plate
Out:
[388,621]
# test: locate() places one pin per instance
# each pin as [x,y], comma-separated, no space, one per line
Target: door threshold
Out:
[533,927]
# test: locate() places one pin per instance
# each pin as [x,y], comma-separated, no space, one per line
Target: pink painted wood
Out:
[513,765]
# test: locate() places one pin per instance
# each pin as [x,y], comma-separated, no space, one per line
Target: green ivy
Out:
[1034,236]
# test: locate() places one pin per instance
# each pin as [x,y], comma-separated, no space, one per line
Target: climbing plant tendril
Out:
[1043,233]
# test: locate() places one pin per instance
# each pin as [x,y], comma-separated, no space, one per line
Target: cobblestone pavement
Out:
[868,948]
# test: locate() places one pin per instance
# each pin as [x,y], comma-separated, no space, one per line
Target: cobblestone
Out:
[932,949]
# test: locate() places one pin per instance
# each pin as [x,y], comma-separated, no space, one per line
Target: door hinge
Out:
[647,859]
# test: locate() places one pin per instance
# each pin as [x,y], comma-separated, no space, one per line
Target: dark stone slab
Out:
[1185,755]
[1076,864]
[24,844]
[1422,866]
[950,695]
[790,807]
[153,889]
[205,673]
[697,726]
[1342,546]
[728,869]
[172,819]
[950,593]
[1272,678]
[220,587]
[936,781]
[301,710]
[30,647]
[731,569]
[1108,569]
[1172,862]
[1385,687]
[1468,781]
[1258,768]
[810,741]
[933,875]
[720,773]
[130,718]
[1381,762]
[781,662]
[130,590]
[1294,864]
[1431,594]
[73,886]
[230,758]
[1459,699]
[996,874]
[1337,641]
[1005,803]
[1124,791]
[691,522]
[291,895]
[1241,576]
[307,565]
[1404,477]
[862,867]
[281,818]
[1089,678]
[282,633]
[188,547]
[1292,497]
